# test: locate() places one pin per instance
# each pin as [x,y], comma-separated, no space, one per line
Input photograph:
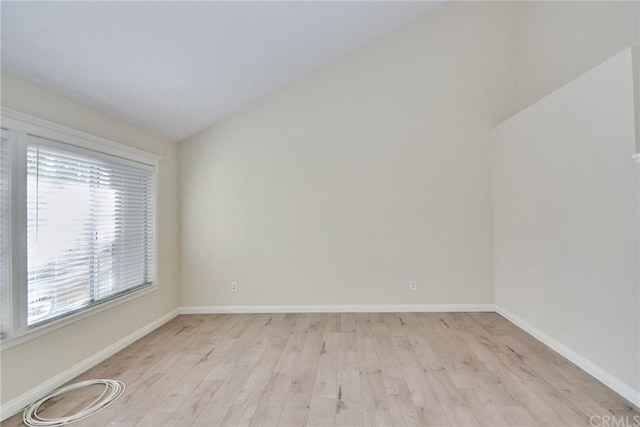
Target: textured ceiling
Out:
[178,67]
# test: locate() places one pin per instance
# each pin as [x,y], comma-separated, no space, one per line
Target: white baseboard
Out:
[347,308]
[12,407]
[589,367]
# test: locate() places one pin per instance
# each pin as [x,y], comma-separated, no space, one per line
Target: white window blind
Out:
[5,230]
[90,236]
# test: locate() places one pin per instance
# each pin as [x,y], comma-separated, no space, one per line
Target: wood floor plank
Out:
[249,397]
[401,407]
[242,361]
[375,406]
[270,407]
[349,403]
[333,322]
[483,410]
[322,412]
[367,356]
[347,322]
[326,381]
[296,407]
[343,369]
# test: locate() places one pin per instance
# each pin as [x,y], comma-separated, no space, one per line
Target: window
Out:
[89,229]
[81,226]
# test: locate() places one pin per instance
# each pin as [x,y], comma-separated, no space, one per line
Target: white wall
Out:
[347,185]
[32,363]
[556,41]
[566,208]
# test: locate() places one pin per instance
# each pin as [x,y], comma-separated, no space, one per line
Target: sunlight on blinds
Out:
[90,230]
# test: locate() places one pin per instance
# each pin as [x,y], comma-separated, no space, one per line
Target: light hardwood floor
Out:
[344,369]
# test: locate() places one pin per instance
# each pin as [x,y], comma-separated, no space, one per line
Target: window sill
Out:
[39,331]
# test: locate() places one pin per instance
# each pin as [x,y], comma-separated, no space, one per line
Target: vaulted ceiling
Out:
[178,67]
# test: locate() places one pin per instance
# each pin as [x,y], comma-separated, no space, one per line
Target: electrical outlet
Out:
[234,286]
[413,285]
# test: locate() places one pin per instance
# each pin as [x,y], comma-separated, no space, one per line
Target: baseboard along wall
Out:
[630,394]
[347,308]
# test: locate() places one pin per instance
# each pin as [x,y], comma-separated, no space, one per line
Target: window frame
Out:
[20,126]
